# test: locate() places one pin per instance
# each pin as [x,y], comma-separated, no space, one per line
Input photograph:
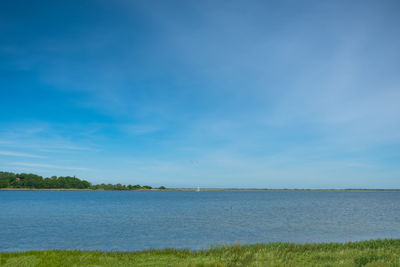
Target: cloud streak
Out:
[19,154]
[49,166]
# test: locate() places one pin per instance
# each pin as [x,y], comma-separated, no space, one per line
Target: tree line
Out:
[33,181]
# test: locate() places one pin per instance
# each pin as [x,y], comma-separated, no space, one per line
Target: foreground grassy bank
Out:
[367,253]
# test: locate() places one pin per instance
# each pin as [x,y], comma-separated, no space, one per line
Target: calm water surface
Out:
[134,220]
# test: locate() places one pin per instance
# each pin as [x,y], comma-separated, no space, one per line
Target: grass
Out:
[374,253]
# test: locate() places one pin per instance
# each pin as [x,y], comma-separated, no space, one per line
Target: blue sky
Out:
[270,94]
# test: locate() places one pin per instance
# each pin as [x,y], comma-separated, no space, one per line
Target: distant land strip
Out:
[195,189]
[280,189]
[28,181]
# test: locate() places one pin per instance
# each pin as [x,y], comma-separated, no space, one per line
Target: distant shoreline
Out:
[31,182]
[202,189]
[279,189]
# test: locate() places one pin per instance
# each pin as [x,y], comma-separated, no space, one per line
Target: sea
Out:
[138,220]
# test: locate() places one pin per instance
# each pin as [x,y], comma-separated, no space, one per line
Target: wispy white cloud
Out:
[45,136]
[19,154]
[49,166]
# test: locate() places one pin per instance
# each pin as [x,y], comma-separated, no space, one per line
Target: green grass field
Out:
[375,253]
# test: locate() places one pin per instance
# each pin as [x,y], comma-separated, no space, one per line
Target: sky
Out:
[252,94]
